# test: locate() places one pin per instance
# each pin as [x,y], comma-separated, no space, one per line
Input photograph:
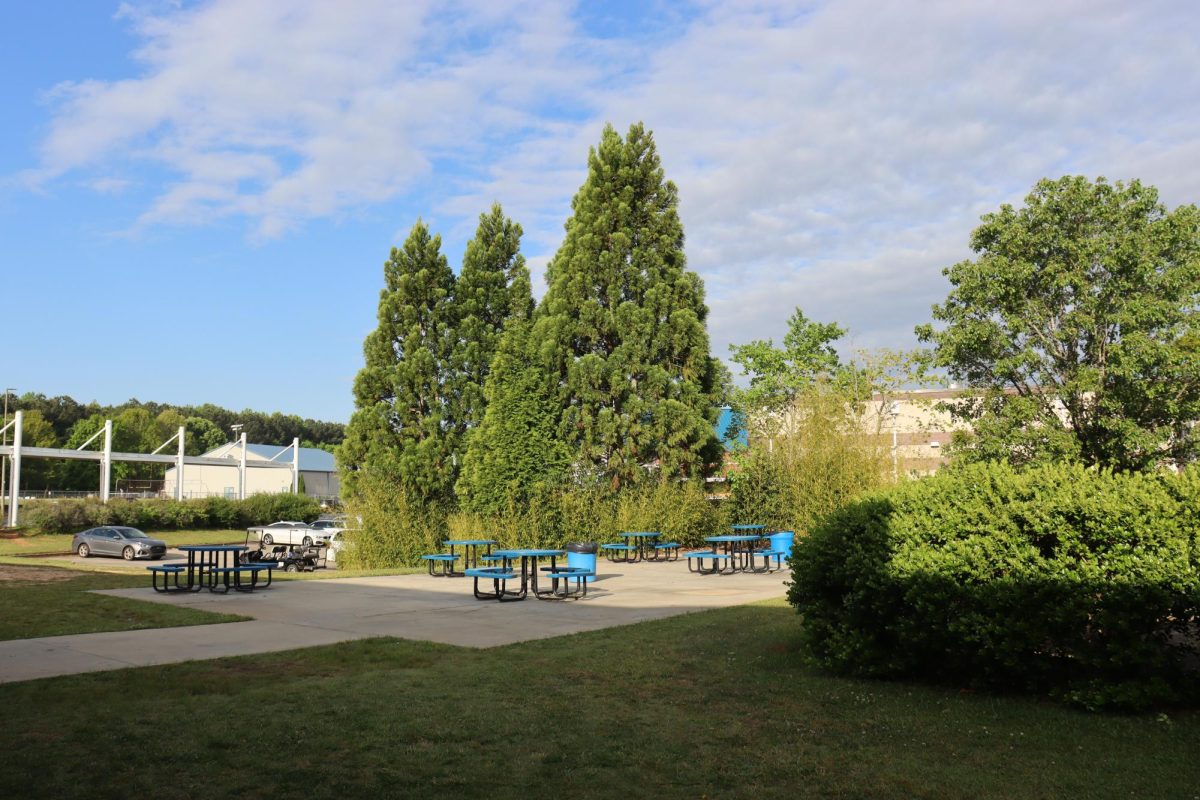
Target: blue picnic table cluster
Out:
[750,548]
[215,567]
[741,550]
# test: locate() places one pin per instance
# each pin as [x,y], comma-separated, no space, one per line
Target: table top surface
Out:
[639,534]
[212,548]
[449,542]
[732,538]
[527,553]
[748,527]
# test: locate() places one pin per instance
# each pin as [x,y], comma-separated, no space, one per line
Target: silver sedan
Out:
[117,540]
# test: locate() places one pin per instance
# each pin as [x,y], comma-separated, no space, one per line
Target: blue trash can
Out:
[782,540]
[583,554]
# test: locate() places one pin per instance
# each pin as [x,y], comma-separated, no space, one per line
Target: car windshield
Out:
[131,533]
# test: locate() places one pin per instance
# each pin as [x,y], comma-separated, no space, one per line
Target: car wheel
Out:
[306,541]
[292,568]
[84,551]
[127,554]
[268,539]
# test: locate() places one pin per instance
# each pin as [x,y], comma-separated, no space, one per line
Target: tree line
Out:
[64,422]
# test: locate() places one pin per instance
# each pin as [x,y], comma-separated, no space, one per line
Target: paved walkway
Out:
[294,614]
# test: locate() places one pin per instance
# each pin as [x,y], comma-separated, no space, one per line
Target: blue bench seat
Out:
[237,572]
[447,565]
[579,575]
[498,576]
[166,569]
[721,562]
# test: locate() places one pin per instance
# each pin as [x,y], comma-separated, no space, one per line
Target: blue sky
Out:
[196,199]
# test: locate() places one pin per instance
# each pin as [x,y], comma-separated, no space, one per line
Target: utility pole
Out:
[4,459]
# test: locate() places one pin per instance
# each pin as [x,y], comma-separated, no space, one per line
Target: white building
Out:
[318,473]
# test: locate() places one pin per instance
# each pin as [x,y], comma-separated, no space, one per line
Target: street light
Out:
[893,410]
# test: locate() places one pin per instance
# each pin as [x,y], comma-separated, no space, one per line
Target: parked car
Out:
[329,526]
[337,541]
[288,532]
[117,540]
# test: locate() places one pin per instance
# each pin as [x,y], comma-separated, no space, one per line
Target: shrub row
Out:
[396,531]
[1078,583]
[70,516]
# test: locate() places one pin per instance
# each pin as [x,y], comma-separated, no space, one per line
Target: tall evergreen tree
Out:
[622,326]
[402,397]
[492,288]
[516,447]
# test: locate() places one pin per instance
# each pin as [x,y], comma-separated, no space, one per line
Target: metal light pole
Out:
[894,413]
[4,459]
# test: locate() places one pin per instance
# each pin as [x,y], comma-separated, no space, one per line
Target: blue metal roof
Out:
[311,458]
[724,422]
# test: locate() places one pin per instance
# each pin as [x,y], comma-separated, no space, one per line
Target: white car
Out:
[289,532]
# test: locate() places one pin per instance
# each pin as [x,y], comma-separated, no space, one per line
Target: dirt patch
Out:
[10,574]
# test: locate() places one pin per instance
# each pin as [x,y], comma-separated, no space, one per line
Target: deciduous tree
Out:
[1079,323]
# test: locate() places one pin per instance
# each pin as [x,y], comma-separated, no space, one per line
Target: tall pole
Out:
[4,459]
[296,465]
[242,470]
[106,462]
[894,410]
[15,488]
[179,465]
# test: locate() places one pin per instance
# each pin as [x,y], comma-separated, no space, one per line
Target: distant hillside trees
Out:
[62,421]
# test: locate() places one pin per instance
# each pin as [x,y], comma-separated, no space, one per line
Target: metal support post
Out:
[106,463]
[179,465]
[296,465]
[242,469]
[15,478]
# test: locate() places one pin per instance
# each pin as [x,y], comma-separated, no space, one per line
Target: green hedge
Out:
[396,531]
[70,516]
[1062,580]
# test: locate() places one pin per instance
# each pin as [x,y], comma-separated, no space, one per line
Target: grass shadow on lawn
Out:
[39,601]
[712,704]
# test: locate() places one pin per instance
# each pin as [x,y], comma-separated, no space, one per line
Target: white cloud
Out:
[829,155]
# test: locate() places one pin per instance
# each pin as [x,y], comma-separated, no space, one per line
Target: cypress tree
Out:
[516,448]
[402,394]
[622,326]
[492,288]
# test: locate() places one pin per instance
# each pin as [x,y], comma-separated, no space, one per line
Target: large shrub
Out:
[1079,583]
[826,460]
[565,513]
[394,528]
[70,515]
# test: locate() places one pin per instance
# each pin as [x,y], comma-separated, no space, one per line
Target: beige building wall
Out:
[209,481]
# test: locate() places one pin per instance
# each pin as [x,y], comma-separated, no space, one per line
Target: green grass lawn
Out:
[52,602]
[715,704]
[47,543]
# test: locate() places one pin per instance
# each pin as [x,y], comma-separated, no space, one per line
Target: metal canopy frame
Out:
[16,451]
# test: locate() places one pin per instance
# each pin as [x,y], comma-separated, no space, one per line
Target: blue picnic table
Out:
[526,572]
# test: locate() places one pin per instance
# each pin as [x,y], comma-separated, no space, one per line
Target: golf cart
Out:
[288,557]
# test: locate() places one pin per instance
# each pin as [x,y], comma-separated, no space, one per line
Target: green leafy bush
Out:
[395,528]
[557,515]
[826,460]
[1078,583]
[70,516]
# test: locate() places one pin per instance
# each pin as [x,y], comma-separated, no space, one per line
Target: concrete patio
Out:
[307,613]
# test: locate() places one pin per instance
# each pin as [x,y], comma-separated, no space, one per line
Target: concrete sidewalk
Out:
[294,614]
